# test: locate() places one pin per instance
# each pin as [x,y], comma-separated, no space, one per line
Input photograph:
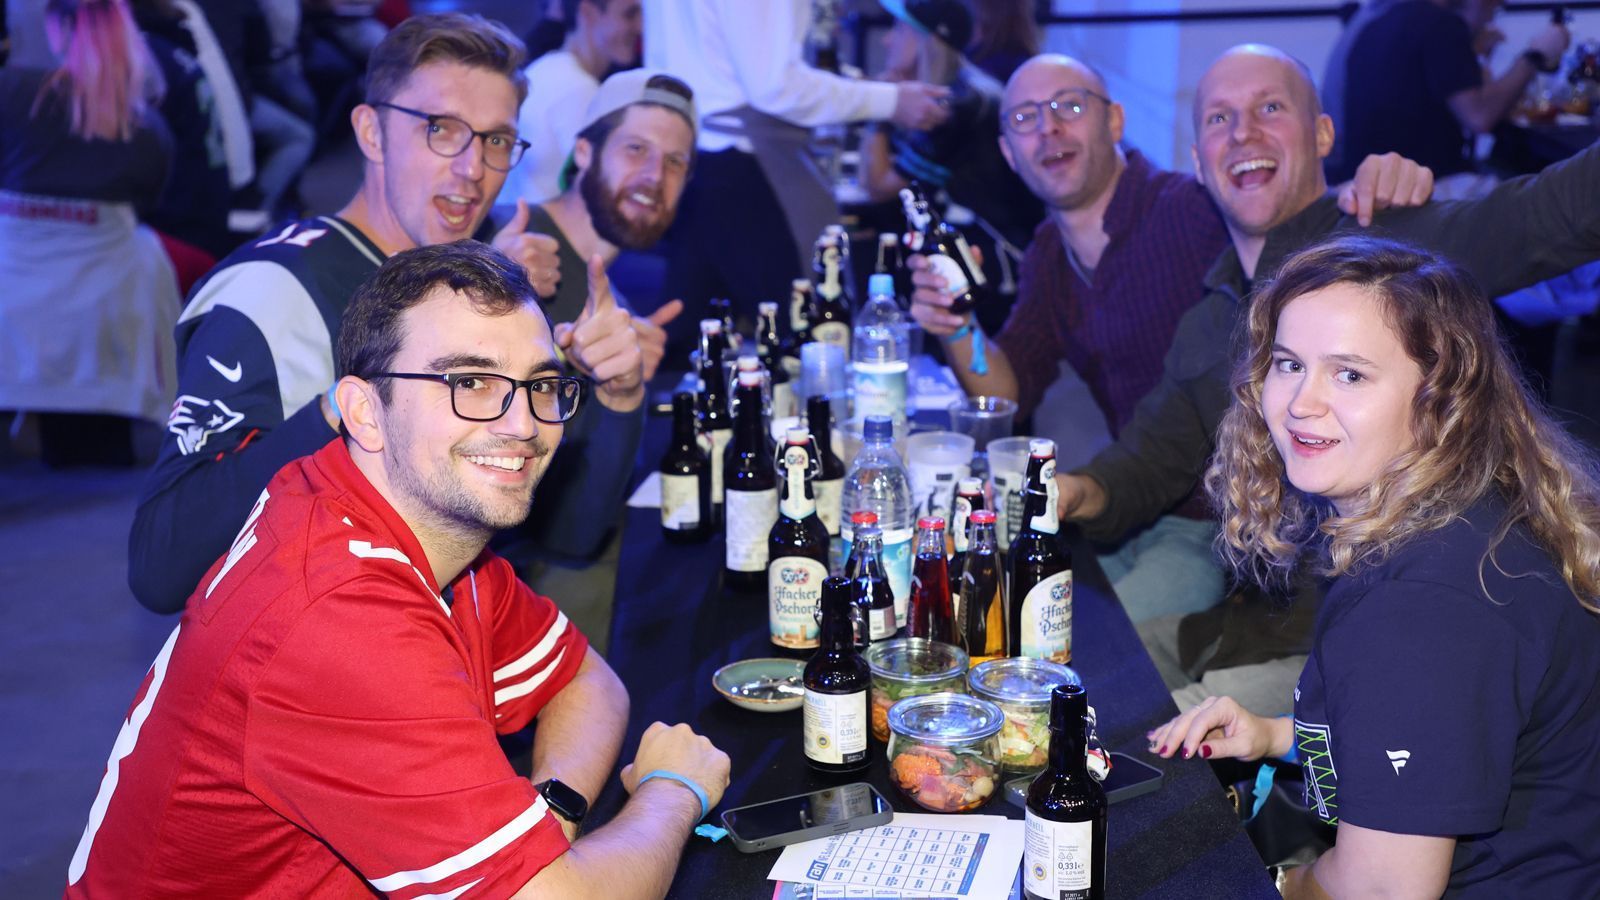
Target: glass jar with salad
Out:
[942,750]
[910,667]
[1021,687]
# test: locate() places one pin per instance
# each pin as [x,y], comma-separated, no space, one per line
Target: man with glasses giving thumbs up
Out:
[256,340]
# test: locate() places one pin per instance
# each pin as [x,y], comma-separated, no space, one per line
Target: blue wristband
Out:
[1293,756]
[980,359]
[705,802]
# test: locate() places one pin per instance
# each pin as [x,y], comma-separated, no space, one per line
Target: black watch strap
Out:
[568,803]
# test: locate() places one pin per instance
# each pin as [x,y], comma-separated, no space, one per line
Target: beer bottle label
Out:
[836,727]
[880,624]
[1057,858]
[751,515]
[881,388]
[719,443]
[897,558]
[966,257]
[956,282]
[835,333]
[1047,619]
[794,588]
[680,502]
[830,494]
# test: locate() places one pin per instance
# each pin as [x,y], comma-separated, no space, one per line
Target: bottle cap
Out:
[887,238]
[710,326]
[800,284]
[863,517]
[969,486]
[1041,447]
[880,284]
[748,363]
[767,307]
[982,517]
[799,436]
[879,428]
[931,523]
[749,379]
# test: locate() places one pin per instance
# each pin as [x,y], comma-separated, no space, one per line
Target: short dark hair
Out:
[465,38]
[371,334]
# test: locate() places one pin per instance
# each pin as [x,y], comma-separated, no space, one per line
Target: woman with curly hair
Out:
[1447,718]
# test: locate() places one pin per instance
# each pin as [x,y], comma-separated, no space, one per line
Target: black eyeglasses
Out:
[484,397]
[1067,106]
[450,137]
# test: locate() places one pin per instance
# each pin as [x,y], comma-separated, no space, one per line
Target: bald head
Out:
[1054,70]
[1254,61]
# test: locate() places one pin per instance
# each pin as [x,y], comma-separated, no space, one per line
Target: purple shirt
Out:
[1164,235]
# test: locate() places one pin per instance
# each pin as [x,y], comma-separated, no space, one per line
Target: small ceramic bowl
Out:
[764,685]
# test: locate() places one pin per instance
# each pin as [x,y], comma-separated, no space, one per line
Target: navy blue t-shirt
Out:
[1388,83]
[1430,707]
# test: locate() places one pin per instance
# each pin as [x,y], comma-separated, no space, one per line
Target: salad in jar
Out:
[911,667]
[1021,688]
[942,750]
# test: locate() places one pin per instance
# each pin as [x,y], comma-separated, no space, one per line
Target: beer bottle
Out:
[685,478]
[979,606]
[830,314]
[800,303]
[722,309]
[1039,604]
[969,499]
[829,485]
[929,613]
[769,348]
[1064,844]
[836,681]
[749,362]
[797,548]
[870,589]
[751,490]
[946,251]
[716,425]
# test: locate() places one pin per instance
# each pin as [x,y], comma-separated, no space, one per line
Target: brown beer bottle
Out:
[1039,603]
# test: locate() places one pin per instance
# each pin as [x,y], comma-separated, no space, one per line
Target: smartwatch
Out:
[568,803]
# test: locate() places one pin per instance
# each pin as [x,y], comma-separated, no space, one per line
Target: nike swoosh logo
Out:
[233,374]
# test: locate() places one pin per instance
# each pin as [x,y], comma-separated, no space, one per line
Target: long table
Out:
[674,624]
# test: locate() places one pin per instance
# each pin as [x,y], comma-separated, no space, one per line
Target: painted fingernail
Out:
[1186,753]
[1163,750]
[1205,750]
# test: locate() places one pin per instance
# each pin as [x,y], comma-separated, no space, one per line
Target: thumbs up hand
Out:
[602,344]
[534,252]
[653,335]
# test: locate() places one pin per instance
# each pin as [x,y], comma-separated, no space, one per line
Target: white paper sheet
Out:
[648,494]
[918,854]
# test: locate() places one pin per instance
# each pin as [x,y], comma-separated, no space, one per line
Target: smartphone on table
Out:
[1129,777]
[805,817]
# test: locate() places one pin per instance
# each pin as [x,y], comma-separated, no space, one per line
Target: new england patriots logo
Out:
[194,420]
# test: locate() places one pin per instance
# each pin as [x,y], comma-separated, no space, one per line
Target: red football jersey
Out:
[322,723]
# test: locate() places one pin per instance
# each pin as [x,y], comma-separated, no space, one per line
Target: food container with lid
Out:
[910,667]
[1021,688]
[942,750]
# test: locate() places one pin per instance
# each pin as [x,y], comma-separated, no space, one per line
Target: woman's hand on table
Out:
[1219,727]
[678,749]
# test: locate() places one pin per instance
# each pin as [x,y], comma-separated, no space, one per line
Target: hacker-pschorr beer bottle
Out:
[685,477]
[830,314]
[1039,605]
[769,348]
[836,681]
[946,251]
[750,489]
[829,484]
[797,549]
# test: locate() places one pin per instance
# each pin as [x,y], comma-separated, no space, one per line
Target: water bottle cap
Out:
[982,517]
[1041,447]
[878,428]
[931,523]
[864,517]
[880,283]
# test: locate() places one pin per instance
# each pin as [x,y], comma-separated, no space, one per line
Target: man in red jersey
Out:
[322,721]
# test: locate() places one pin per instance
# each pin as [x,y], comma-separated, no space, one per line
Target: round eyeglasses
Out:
[485,397]
[450,137]
[1067,105]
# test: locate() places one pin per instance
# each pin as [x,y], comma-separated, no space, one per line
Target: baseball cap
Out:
[947,20]
[641,86]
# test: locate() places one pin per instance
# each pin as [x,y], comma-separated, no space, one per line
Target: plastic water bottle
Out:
[881,354]
[878,483]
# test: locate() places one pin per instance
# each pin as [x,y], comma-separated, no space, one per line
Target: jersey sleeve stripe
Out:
[467,858]
[365,550]
[539,651]
[532,684]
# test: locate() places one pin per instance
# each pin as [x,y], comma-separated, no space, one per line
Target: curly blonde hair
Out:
[1476,428]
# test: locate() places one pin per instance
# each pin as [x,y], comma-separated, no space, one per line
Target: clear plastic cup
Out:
[937,460]
[1008,466]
